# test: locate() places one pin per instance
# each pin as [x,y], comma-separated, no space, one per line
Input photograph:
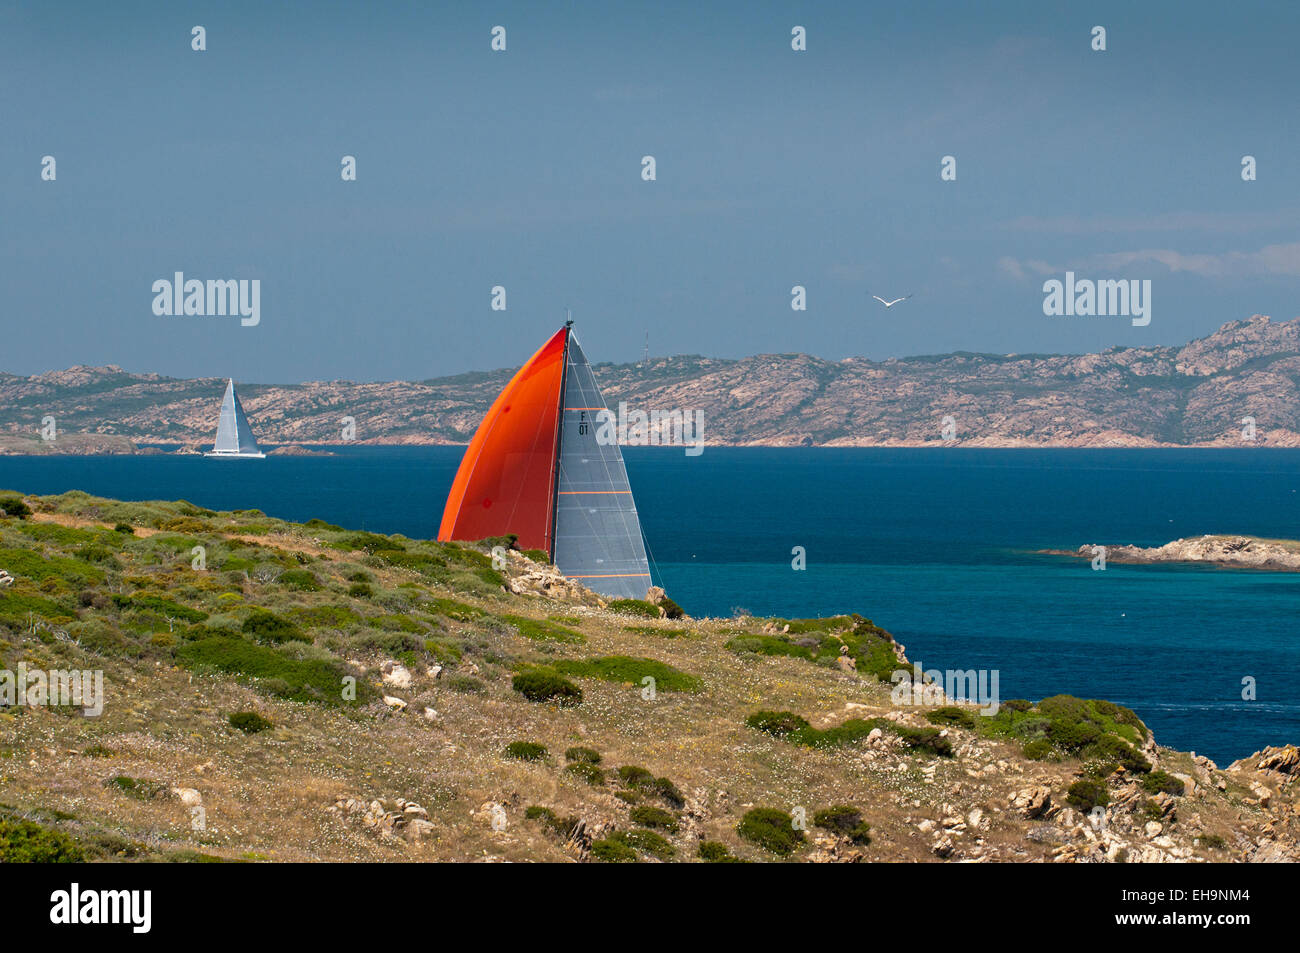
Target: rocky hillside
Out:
[277,691]
[1192,395]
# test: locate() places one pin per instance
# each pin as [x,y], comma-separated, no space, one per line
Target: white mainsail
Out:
[597,531]
[234,436]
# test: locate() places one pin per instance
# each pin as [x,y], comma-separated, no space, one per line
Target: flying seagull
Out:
[890,304]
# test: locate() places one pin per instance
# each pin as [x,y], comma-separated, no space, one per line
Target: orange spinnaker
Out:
[506,479]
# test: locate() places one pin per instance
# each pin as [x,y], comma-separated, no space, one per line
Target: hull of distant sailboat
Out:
[234,455]
[535,469]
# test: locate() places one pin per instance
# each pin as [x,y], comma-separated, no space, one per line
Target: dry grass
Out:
[268,795]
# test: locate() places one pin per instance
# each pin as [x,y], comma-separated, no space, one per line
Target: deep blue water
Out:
[935,545]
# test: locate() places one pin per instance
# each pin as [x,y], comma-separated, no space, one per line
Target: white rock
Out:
[420,828]
[430,714]
[396,674]
[394,703]
[1153,828]
[189,797]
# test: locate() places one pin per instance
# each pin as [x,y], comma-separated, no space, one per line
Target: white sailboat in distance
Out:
[234,436]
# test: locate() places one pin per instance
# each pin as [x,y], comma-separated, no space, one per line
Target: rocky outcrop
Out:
[1282,762]
[395,819]
[1236,551]
[528,578]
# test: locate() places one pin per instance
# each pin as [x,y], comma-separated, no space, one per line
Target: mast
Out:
[559,435]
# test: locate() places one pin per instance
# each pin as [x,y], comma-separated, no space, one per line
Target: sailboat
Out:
[234,436]
[535,469]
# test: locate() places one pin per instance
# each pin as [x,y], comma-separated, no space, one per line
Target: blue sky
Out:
[522,169]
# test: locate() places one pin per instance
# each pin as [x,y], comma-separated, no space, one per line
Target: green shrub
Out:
[624,668]
[951,715]
[584,755]
[635,607]
[796,730]
[541,686]
[925,740]
[466,685]
[612,850]
[369,542]
[671,609]
[418,562]
[28,563]
[771,829]
[585,771]
[716,852]
[846,820]
[444,650]
[267,627]
[299,579]
[360,590]
[559,826]
[327,617]
[14,506]
[656,817]
[137,788]
[1149,810]
[1040,749]
[249,722]
[1158,781]
[1212,841]
[23,842]
[15,607]
[1086,794]
[526,751]
[638,778]
[777,723]
[164,607]
[768,645]
[307,680]
[647,842]
[458,611]
[543,631]
[656,631]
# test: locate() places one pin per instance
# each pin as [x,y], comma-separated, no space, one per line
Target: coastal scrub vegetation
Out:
[823,641]
[245,640]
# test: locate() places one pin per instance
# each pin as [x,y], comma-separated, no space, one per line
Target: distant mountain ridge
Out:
[1194,395]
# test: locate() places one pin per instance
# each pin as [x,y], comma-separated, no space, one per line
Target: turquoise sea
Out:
[936,545]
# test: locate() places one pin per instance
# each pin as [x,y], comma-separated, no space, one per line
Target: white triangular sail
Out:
[597,531]
[234,436]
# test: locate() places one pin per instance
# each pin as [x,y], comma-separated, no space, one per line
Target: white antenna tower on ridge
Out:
[645,357]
